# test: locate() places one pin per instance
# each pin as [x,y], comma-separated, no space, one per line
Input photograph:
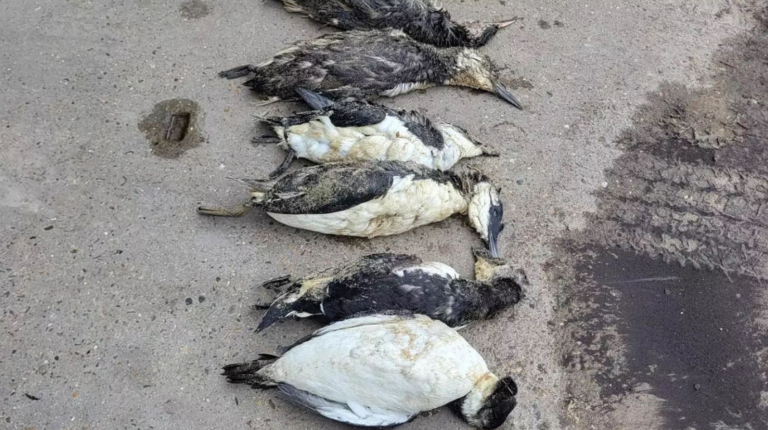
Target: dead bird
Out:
[385,282]
[369,64]
[383,371]
[375,198]
[420,19]
[360,130]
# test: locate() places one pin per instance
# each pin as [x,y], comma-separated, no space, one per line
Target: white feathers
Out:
[351,413]
[406,205]
[483,197]
[474,401]
[300,314]
[432,268]
[319,140]
[382,366]
[406,88]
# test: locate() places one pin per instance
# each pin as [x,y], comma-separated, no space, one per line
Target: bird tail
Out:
[313,99]
[237,72]
[248,373]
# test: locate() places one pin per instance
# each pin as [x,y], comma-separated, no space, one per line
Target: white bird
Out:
[383,370]
[372,199]
[360,131]
[391,282]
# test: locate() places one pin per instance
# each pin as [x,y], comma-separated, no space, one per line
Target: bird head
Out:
[478,33]
[505,283]
[489,403]
[468,146]
[474,69]
[486,213]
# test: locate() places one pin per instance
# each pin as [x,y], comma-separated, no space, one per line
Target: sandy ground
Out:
[120,304]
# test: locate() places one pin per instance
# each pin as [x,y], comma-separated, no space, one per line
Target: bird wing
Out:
[391,362]
[423,128]
[420,288]
[336,187]
[358,64]
[351,413]
[358,114]
[373,62]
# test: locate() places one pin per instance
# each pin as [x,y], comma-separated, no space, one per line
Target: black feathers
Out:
[355,64]
[381,283]
[248,373]
[359,114]
[313,99]
[420,19]
[335,187]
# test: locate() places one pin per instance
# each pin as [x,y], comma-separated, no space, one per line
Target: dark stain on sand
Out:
[664,290]
[194,9]
[173,127]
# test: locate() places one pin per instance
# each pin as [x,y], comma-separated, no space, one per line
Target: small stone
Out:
[697,387]
[201,299]
[667,292]
[189,301]
[520,181]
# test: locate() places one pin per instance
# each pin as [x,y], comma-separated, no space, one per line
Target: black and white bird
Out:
[394,282]
[375,198]
[420,19]
[369,64]
[382,371]
[360,130]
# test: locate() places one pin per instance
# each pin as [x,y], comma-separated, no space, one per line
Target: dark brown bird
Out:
[369,64]
[399,282]
[419,19]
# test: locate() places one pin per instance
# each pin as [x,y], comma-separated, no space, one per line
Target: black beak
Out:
[495,215]
[504,93]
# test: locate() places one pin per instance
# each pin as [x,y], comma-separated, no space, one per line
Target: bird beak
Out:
[506,23]
[496,213]
[504,93]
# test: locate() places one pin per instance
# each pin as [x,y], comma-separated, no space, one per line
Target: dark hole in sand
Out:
[173,127]
[178,127]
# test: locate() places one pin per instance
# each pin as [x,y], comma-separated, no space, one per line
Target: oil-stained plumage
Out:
[385,282]
[369,64]
[420,19]
[383,371]
[375,198]
[360,130]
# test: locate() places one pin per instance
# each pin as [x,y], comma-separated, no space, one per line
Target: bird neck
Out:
[475,399]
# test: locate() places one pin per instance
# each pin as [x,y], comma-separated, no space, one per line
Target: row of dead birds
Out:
[390,351]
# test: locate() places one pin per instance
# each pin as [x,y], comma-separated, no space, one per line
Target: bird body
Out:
[420,19]
[360,130]
[369,64]
[409,202]
[372,199]
[399,282]
[383,370]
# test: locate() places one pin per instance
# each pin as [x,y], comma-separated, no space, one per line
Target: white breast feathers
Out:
[395,365]
[407,204]
[432,268]
[321,141]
